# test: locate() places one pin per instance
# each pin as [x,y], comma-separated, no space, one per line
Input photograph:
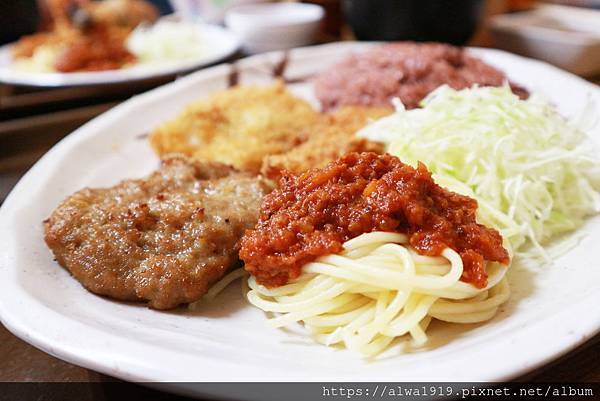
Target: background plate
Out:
[222,44]
[552,310]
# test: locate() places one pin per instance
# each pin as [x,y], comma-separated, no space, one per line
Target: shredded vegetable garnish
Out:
[533,172]
[166,42]
[42,59]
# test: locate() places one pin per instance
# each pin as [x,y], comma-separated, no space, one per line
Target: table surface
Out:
[22,362]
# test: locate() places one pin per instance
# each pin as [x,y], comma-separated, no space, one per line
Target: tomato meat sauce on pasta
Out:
[313,214]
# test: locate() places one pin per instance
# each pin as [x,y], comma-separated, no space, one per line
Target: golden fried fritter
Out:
[239,126]
[335,138]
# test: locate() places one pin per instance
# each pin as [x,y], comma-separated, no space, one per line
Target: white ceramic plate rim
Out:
[228,44]
[20,312]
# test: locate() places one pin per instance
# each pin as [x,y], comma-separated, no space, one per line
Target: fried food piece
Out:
[353,118]
[57,14]
[239,126]
[101,48]
[87,35]
[103,28]
[123,13]
[335,139]
[26,46]
[164,239]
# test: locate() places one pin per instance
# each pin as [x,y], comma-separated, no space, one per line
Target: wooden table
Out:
[24,363]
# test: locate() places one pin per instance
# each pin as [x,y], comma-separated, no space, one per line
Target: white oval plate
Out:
[552,309]
[222,44]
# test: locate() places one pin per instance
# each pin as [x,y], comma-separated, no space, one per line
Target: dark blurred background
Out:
[21,17]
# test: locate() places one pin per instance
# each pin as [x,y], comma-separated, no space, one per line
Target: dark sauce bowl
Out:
[449,21]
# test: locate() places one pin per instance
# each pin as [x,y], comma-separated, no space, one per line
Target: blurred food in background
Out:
[167,41]
[86,35]
[83,35]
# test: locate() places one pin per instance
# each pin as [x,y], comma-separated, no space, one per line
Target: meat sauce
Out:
[100,48]
[313,214]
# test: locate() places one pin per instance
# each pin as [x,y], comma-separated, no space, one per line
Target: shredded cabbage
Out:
[167,42]
[42,59]
[533,172]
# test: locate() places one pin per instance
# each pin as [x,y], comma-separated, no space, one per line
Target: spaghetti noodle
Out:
[369,249]
[378,290]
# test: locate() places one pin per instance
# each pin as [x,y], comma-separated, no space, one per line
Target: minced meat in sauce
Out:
[313,214]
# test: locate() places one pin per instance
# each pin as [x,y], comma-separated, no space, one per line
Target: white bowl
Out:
[208,11]
[275,26]
[567,37]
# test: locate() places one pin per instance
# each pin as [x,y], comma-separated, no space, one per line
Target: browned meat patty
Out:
[164,239]
[406,70]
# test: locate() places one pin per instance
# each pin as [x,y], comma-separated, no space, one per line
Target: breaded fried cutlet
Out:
[164,239]
[335,138]
[239,126]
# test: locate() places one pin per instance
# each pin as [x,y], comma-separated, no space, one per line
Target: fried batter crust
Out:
[335,138]
[239,126]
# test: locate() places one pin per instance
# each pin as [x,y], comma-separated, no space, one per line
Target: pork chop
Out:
[164,239]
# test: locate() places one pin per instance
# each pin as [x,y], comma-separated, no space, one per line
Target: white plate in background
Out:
[222,43]
[551,310]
